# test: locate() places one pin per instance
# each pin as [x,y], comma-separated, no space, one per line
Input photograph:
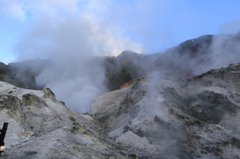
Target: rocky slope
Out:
[42,127]
[155,118]
[196,118]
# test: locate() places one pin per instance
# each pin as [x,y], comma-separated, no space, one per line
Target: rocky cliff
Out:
[175,118]
[155,118]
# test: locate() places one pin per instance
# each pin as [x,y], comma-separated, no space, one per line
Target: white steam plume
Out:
[72,43]
[69,45]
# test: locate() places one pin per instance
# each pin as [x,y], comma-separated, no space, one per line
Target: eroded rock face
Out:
[42,127]
[153,119]
[195,118]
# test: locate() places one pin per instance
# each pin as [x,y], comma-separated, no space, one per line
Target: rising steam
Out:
[72,44]
[69,38]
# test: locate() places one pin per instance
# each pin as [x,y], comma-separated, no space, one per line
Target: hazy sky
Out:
[147,26]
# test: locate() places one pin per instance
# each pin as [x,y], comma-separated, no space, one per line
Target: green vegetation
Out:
[3,68]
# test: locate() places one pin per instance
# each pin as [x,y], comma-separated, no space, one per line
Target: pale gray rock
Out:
[41,127]
[154,119]
[175,118]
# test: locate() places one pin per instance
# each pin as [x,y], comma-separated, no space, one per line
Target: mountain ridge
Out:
[189,58]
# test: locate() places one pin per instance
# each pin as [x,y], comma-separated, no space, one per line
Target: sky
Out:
[29,27]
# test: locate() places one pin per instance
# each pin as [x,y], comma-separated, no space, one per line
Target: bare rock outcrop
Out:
[195,118]
[154,119]
[41,127]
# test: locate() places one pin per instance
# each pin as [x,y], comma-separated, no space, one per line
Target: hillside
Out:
[155,119]
[77,81]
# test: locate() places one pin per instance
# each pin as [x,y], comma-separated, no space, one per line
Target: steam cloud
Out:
[197,56]
[70,40]
[76,77]
[69,46]
[72,44]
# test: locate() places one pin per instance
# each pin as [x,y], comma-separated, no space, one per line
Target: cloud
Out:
[7,60]
[12,8]
[48,16]
[51,37]
[69,44]
[230,27]
[72,38]
[51,7]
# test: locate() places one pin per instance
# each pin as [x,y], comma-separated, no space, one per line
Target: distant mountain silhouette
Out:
[189,58]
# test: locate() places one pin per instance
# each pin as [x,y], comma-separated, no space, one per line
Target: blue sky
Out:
[34,28]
